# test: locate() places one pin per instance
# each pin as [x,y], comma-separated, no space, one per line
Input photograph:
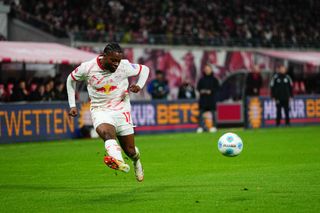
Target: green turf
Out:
[278,171]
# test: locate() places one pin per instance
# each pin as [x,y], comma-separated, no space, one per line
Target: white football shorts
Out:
[122,121]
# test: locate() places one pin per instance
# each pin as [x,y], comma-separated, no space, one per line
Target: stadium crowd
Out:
[281,23]
[35,89]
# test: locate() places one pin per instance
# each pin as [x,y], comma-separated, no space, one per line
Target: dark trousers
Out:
[201,120]
[285,105]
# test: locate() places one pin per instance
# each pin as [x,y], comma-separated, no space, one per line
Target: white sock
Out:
[137,155]
[113,149]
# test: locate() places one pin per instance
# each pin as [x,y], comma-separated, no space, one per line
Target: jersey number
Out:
[128,116]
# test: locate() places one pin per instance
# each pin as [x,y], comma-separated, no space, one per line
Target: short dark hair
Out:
[112,47]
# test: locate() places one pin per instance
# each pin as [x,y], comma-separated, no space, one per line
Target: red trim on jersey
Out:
[73,77]
[140,68]
[99,64]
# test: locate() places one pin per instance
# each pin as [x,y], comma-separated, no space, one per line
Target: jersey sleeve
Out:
[80,73]
[133,69]
[137,70]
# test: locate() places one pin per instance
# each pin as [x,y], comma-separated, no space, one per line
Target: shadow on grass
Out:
[111,194]
[32,188]
[151,193]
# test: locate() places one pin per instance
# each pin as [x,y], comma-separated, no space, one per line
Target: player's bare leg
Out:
[128,146]
[114,159]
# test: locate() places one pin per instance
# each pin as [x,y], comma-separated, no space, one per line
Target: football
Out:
[230,144]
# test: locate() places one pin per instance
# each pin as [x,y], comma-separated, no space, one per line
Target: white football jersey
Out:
[107,91]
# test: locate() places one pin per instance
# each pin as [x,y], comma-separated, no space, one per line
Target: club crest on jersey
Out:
[107,89]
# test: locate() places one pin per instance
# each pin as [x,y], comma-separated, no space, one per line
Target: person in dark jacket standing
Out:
[208,87]
[281,92]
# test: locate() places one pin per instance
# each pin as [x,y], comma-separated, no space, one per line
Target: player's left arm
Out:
[143,72]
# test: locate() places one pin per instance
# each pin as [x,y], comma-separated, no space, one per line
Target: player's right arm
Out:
[77,74]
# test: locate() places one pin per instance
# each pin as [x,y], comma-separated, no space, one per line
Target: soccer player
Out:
[108,87]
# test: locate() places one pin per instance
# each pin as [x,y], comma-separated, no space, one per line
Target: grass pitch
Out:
[278,171]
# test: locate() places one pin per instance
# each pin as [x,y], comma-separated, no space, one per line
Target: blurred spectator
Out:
[60,94]
[39,90]
[20,92]
[317,83]
[186,91]
[9,90]
[299,87]
[158,88]
[253,82]
[228,23]
[38,93]
[33,87]
[208,87]
[281,92]
[298,78]
[49,92]
[2,92]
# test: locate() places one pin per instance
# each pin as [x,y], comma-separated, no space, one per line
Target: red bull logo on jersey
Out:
[107,89]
